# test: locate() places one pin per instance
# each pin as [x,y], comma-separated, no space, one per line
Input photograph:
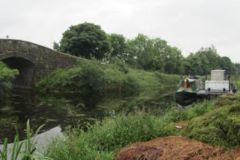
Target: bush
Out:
[113,86]
[6,76]
[219,127]
[206,122]
[106,137]
[76,148]
[89,82]
[113,133]
[103,139]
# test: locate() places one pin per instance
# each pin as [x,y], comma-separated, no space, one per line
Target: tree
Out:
[86,40]
[236,68]
[118,45]
[154,54]
[173,61]
[56,46]
[204,60]
[227,64]
[140,52]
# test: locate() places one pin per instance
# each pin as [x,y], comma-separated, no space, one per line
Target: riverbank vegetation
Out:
[115,86]
[132,81]
[214,122]
[22,150]
[130,78]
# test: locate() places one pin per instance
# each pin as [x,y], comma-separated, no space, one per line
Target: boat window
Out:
[185,84]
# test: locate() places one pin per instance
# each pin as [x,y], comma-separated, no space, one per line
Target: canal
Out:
[24,104]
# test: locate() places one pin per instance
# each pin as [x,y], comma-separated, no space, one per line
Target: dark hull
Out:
[185,98]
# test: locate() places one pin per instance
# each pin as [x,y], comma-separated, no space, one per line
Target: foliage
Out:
[108,136]
[118,45]
[115,86]
[121,130]
[76,147]
[24,150]
[90,81]
[86,40]
[104,138]
[205,60]
[220,127]
[214,122]
[143,52]
[56,46]
[154,54]
[237,68]
[226,63]
[6,75]
[17,146]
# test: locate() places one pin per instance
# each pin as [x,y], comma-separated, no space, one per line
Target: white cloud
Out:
[187,24]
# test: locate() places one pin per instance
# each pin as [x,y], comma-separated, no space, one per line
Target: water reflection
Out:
[51,111]
[69,111]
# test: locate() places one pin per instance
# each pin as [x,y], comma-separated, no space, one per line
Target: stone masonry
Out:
[43,60]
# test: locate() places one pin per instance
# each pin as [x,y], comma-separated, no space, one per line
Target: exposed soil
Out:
[175,148]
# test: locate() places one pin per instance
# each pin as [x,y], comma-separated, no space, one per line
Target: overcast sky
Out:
[186,24]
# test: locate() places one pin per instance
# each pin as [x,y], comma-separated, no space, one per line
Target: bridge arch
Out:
[33,61]
[26,69]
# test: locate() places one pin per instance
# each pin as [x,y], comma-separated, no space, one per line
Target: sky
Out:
[186,24]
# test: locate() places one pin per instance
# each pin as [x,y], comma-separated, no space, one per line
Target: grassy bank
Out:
[116,86]
[137,97]
[215,122]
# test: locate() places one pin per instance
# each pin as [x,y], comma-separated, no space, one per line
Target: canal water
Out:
[64,111]
[24,105]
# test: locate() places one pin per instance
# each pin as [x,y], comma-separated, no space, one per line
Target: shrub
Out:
[6,75]
[89,82]
[113,133]
[206,122]
[76,148]
[103,139]
[219,127]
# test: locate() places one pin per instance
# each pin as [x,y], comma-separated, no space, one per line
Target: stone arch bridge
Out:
[33,61]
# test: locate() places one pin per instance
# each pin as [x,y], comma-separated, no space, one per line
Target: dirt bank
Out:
[175,148]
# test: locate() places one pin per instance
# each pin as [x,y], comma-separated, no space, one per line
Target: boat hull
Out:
[185,98]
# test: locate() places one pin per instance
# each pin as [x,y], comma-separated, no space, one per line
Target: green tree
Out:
[227,64]
[173,60]
[203,61]
[207,59]
[86,40]
[118,45]
[140,52]
[154,54]
[56,46]
[237,68]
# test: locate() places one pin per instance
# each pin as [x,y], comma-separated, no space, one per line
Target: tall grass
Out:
[22,150]
[103,139]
